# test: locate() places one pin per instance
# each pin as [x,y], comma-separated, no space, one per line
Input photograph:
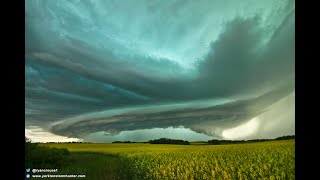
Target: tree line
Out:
[168,141]
[182,142]
[218,142]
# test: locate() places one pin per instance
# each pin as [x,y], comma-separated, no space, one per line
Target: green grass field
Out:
[262,160]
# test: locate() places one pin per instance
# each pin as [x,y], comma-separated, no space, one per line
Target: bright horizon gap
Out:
[242,131]
[39,135]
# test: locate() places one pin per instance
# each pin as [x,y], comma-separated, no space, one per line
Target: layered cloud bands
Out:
[112,66]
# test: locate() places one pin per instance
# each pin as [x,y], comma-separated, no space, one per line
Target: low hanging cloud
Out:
[199,116]
[101,66]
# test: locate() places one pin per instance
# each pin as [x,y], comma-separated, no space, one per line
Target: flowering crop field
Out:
[259,160]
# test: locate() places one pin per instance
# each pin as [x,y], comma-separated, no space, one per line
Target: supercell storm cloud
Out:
[222,69]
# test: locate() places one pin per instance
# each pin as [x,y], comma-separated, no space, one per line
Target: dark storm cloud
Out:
[239,62]
[222,115]
[83,58]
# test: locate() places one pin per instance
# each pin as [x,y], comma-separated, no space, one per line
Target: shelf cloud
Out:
[112,66]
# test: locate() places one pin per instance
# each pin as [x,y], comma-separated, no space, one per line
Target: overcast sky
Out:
[105,70]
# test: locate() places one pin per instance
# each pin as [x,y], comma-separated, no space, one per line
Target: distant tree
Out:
[168,141]
[123,142]
[286,137]
[217,142]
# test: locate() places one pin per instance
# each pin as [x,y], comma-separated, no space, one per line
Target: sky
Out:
[107,70]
